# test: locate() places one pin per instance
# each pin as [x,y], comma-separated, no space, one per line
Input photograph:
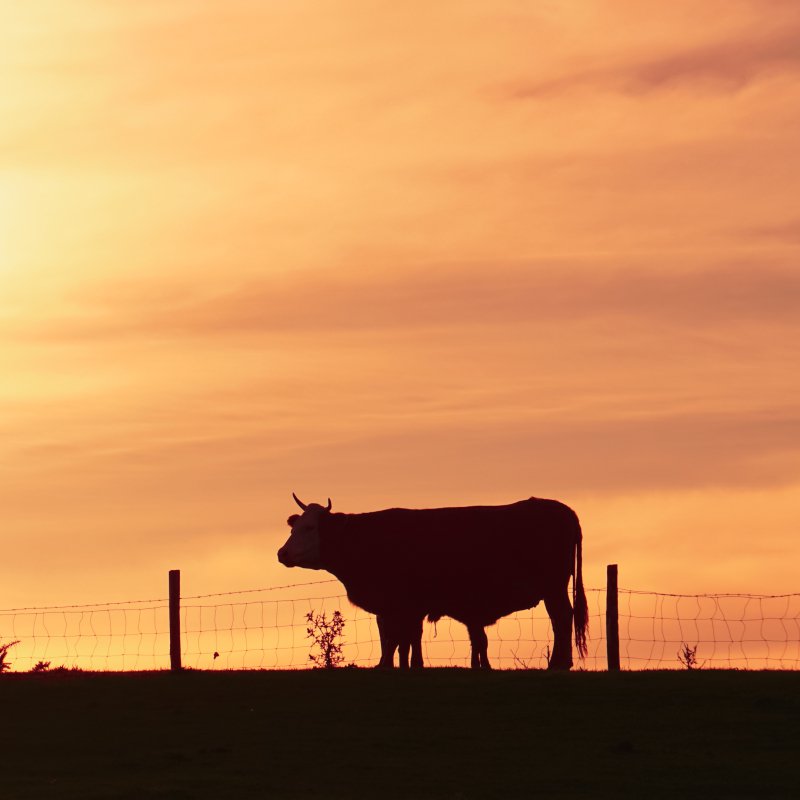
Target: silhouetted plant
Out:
[688,657]
[325,634]
[44,666]
[520,663]
[5,664]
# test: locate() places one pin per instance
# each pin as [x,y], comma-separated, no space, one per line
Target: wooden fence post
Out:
[175,619]
[612,618]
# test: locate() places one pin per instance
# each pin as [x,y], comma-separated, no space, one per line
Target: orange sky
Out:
[417,254]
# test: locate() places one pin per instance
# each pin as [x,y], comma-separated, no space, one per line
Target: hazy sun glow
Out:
[415,255]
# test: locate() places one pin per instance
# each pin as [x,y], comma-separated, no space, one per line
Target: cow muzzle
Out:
[283,557]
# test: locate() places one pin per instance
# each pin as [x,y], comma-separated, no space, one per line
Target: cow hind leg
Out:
[560,611]
[387,634]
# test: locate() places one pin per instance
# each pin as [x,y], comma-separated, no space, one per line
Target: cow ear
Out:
[291,521]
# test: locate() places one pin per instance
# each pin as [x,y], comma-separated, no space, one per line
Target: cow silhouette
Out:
[475,564]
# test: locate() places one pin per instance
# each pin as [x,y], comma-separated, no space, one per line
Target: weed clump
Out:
[687,655]
[325,634]
[5,664]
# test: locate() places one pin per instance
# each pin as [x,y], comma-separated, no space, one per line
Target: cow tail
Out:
[579,605]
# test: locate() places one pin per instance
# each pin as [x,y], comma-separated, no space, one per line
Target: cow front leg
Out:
[560,611]
[411,640]
[402,654]
[387,636]
[475,656]
[480,646]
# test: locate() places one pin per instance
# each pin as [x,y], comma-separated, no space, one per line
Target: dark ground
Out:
[365,734]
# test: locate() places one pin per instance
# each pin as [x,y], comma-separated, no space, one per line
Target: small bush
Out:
[5,664]
[41,666]
[688,657]
[325,633]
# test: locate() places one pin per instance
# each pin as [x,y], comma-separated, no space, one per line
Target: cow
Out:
[475,563]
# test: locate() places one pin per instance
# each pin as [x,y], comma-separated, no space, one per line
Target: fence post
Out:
[175,619]
[612,618]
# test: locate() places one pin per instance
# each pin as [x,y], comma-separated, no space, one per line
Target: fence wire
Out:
[259,629]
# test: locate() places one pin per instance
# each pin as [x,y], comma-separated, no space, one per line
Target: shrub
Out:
[325,634]
[688,657]
[5,664]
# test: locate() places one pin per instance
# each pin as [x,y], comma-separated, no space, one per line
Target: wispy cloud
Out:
[786,233]
[477,455]
[746,290]
[652,452]
[726,66]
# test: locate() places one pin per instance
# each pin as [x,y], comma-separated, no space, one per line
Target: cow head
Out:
[302,548]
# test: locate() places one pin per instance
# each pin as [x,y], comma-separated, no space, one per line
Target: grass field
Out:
[436,734]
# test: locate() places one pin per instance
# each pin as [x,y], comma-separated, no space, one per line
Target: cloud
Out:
[692,451]
[477,455]
[444,296]
[727,66]
[786,233]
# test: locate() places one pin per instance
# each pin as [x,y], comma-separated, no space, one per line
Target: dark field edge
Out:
[361,733]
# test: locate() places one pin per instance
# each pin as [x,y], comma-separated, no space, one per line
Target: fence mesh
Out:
[725,630]
[266,629]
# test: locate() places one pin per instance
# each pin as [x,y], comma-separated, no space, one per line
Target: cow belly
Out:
[485,610]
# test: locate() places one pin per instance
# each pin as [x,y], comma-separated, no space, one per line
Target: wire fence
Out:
[267,629]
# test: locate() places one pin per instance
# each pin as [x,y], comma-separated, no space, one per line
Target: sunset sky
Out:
[412,254]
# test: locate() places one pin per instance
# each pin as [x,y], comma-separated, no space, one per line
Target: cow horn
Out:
[302,505]
[330,505]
